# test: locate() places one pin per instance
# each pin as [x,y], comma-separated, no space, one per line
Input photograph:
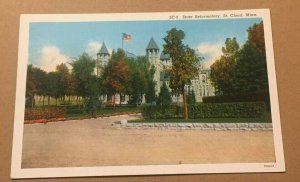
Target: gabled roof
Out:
[152,45]
[130,55]
[164,56]
[103,49]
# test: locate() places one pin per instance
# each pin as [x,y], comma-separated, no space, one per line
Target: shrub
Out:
[164,97]
[44,113]
[228,110]
[208,110]
[262,96]
[162,112]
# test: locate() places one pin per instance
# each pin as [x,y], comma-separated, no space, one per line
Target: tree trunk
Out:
[114,100]
[56,101]
[43,100]
[48,100]
[32,101]
[185,104]
[77,102]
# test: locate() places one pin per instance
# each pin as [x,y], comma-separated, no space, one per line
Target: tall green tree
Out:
[53,86]
[64,79]
[87,84]
[116,74]
[137,84]
[256,36]
[150,91]
[35,83]
[140,83]
[164,97]
[250,73]
[221,70]
[191,98]
[184,63]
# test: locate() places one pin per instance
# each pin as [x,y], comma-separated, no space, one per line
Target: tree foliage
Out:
[82,71]
[242,71]
[250,73]
[164,97]
[139,79]
[36,83]
[184,63]
[222,69]
[256,37]
[150,92]
[191,97]
[116,74]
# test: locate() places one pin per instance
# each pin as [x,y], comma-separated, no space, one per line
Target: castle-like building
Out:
[201,84]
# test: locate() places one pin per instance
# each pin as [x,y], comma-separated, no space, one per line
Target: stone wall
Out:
[198,126]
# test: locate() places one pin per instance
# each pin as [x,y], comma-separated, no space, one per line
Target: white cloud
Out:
[50,58]
[210,51]
[93,48]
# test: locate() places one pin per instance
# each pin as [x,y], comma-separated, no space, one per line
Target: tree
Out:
[35,83]
[136,86]
[184,63]
[53,85]
[150,91]
[64,81]
[250,73]
[256,37]
[191,98]
[87,84]
[116,74]
[164,97]
[221,70]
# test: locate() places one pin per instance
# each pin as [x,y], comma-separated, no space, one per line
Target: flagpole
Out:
[122,41]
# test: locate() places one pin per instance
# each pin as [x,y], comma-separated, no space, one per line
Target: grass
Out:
[266,119]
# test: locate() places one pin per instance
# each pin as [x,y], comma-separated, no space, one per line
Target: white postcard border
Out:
[18,172]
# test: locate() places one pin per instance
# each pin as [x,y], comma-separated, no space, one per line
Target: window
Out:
[122,98]
[203,79]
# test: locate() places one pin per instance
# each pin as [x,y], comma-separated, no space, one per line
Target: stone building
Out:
[201,85]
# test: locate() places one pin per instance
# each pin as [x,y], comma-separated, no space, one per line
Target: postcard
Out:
[146,94]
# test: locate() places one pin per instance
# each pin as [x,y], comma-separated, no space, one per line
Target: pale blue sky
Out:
[70,39]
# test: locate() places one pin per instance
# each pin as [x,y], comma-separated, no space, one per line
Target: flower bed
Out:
[43,115]
[43,120]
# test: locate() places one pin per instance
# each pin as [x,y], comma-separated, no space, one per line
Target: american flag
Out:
[126,37]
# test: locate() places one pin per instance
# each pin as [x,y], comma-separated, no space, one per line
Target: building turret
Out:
[152,51]
[102,58]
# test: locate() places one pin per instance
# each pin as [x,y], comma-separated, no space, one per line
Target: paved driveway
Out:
[94,142]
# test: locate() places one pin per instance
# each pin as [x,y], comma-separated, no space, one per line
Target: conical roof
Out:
[152,45]
[103,49]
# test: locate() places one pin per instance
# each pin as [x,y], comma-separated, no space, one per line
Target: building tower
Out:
[152,52]
[102,58]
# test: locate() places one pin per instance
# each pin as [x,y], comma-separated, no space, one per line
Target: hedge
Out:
[44,113]
[208,110]
[262,96]
[162,112]
[228,110]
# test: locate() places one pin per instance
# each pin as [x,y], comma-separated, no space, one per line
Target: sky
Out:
[52,43]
